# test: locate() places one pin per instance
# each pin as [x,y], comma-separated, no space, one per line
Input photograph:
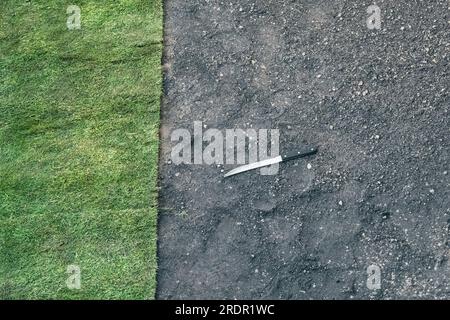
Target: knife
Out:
[306,151]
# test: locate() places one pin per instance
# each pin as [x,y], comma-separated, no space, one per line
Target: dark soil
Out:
[375,101]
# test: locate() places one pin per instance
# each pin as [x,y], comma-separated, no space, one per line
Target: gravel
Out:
[377,193]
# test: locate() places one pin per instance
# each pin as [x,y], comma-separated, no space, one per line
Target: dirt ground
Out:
[377,193]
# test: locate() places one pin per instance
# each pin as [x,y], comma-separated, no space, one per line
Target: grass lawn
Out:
[79,119]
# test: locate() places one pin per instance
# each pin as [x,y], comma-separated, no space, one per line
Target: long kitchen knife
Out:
[283,158]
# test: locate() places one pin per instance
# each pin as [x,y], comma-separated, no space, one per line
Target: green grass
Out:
[79,119]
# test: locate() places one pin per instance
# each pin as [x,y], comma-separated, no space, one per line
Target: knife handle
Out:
[307,151]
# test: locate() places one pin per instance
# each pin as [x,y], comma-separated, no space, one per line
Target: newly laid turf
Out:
[79,118]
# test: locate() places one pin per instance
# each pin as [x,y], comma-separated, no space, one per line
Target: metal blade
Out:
[254,165]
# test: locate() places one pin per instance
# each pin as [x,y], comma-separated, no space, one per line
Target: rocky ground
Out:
[377,193]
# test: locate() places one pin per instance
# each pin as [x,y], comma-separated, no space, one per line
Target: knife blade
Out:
[306,151]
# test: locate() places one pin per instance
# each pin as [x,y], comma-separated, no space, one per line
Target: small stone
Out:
[309,166]
[431,191]
[177,174]
[341,203]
